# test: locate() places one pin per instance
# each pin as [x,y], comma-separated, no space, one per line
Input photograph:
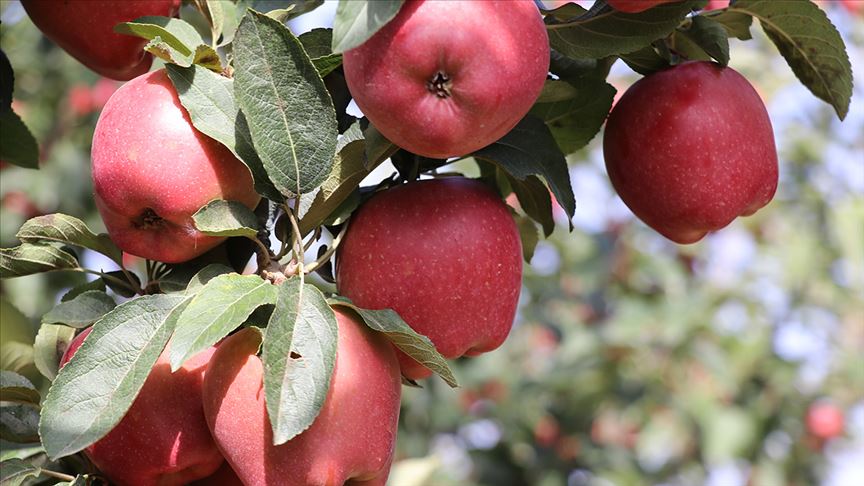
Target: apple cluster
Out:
[444,253]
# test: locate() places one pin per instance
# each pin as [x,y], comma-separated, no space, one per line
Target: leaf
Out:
[209,99]
[216,16]
[17,389]
[14,472]
[67,229]
[529,235]
[290,114]
[206,274]
[710,36]
[299,355]
[81,311]
[417,346]
[811,45]
[646,60]
[29,258]
[7,83]
[19,423]
[119,289]
[52,340]
[534,199]
[358,20]
[177,34]
[97,284]
[16,356]
[17,145]
[568,69]
[95,389]
[206,56]
[737,24]
[378,148]
[577,116]
[226,218]
[217,309]
[606,32]
[277,9]
[529,149]
[317,43]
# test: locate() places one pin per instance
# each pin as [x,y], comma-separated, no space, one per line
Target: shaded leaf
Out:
[17,145]
[19,423]
[29,258]
[358,20]
[226,218]
[81,311]
[17,389]
[51,342]
[67,229]
[534,199]
[578,113]
[13,472]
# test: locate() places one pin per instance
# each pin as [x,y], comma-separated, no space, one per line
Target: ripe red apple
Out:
[825,420]
[85,29]
[352,439]
[635,6]
[691,148]
[716,5]
[163,439]
[152,170]
[444,79]
[446,255]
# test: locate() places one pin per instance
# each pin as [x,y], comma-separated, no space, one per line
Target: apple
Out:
[152,170]
[691,148]
[352,439]
[635,6]
[224,476]
[85,29]
[445,254]
[163,439]
[444,79]
[716,5]
[825,420]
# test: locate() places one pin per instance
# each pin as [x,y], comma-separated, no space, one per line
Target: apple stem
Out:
[58,475]
[330,250]
[296,239]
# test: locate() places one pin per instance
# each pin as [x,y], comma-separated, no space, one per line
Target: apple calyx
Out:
[148,219]
[440,85]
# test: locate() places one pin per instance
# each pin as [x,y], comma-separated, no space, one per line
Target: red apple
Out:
[691,148]
[152,170]
[635,6]
[352,439]
[85,29]
[446,255]
[825,420]
[444,79]
[163,439]
[716,5]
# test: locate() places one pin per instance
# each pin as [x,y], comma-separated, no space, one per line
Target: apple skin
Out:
[352,439]
[494,53]
[636,6]
[825,421]
[85,29]
[691,148]
[446,255]
[152,170]
[163,439]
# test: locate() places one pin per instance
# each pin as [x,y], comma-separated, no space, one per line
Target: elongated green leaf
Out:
[98,284]
[811,45]
[579,112]
[206,274]
[737,24]
[15,356]
[530,149]
[52,340]
[708,35]
[216,14]
[529,235]
[13,472]
[209,99]
[285,10]
[67,229]
[607,32]
[317,43]
[534,199]
[81,311]
[95,389]
[358,20]
[7,83]
[19,423]
[289,111]
[646,60]
[18,389]
[30,258]
[17,145]
[417,346]
[299,354]
[217,309]
[176,33]
[226,218]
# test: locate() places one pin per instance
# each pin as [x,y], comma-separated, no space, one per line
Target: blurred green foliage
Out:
[633,360]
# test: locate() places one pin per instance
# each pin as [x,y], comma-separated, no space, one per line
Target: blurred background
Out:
[735,361]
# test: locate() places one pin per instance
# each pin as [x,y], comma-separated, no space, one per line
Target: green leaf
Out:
[206,274]
[226,218]
[568,69]
[17,145]
[277,10]
[358,20]
[299,355]
[98,284]
[378,148]
[606,32]
[51,342]
[16,356]
[206,56]
[81,311]
[209,99]
[17,389]
[7,83]
[710,36]
[216,16]
[19,423]
[317,43]
[530,236]
[95,389]
[578,113]
[217,309]
[14,472]
[67,229]
[123,290]
[737,24]
[529,149]
[290,114]
[646,60]
[534,199]
[30,258]
[417,346]
[811,45]
[176,34]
